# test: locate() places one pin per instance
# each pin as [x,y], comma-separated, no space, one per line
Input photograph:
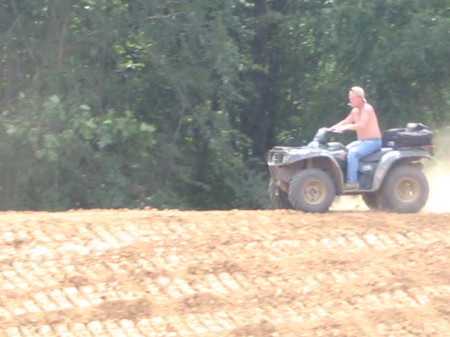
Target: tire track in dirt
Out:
[153,273]
[21,275]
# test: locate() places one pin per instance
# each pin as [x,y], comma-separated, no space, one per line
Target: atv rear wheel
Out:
[312,190]
[279,198]
[405,190]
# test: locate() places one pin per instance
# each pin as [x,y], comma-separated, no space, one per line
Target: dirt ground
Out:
[224,273]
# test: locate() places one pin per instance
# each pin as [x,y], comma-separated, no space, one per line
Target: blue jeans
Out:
[357,150]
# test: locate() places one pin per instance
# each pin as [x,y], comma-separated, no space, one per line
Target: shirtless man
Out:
[362,119]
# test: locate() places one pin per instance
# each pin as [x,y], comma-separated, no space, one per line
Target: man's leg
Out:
[355,153]
[353,144]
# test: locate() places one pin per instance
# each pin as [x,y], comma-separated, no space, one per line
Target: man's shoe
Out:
[351,186]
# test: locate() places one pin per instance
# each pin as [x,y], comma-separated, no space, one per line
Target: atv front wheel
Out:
[405,190]
[312,190]
[279,198]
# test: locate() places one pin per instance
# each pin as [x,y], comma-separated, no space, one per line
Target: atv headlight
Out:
[277,158]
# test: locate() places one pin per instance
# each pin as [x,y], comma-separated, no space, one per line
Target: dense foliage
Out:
[173,103]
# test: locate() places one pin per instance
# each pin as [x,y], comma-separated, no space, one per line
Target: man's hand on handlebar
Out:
[336,129]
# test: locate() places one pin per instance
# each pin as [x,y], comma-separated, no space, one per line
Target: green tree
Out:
[120,103]
[399,51]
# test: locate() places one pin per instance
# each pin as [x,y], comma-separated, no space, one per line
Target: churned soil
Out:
[224,273]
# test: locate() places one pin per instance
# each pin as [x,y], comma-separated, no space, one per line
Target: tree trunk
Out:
[258,122]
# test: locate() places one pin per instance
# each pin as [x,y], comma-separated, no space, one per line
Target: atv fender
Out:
[303,159]
[325,161]
[394,158]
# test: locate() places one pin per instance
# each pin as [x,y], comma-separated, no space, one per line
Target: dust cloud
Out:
[348,203]
[439,181]
[438,175]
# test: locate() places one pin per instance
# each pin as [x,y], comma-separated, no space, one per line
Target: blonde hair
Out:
[358,91]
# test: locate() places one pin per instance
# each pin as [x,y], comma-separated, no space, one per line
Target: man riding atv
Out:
[362,119]
[385,169]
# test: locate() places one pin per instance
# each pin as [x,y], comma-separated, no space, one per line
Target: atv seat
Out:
[376,156]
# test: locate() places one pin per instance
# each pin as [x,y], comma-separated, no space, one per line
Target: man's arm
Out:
[342,125]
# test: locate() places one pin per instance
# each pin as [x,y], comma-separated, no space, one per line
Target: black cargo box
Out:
[415,134]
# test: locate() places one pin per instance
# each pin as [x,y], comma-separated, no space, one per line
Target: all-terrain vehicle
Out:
[308,178]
